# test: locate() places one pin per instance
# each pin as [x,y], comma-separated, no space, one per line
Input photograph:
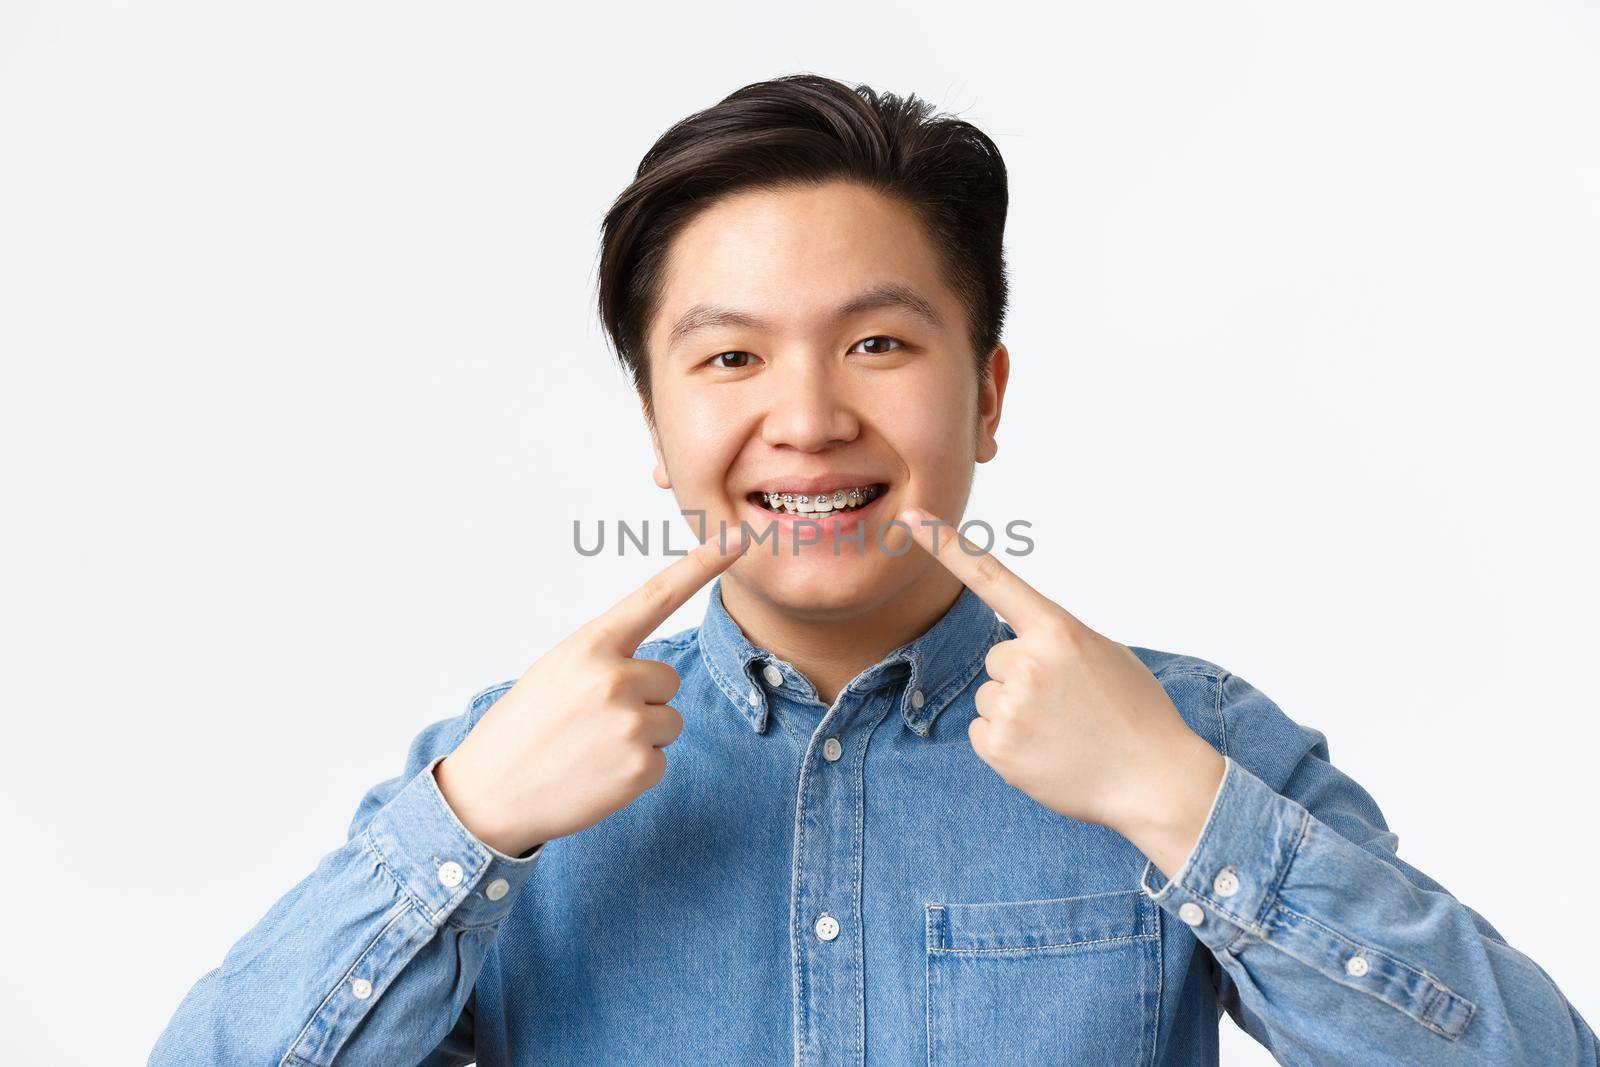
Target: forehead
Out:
[794,256]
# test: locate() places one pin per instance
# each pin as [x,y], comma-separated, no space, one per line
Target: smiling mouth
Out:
[840,501]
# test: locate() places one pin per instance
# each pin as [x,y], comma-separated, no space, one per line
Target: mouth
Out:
[832,511]
[818,504]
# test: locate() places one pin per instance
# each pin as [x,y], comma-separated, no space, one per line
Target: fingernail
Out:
[914,515]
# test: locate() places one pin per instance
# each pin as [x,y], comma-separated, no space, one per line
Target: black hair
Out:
[803,129]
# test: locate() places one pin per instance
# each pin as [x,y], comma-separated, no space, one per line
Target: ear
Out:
[991,397]
[660,475]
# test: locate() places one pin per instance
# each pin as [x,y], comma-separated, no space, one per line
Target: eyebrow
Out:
[883,295]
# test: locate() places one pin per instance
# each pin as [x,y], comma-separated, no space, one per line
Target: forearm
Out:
[1334,948]
[377,950]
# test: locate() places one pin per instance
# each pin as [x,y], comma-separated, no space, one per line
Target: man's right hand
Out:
[580,734]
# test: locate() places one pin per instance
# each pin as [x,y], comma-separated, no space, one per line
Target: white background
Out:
[303,388]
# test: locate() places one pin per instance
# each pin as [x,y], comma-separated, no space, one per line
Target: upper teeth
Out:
[807,504]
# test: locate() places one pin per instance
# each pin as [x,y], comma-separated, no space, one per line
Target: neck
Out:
[830,649]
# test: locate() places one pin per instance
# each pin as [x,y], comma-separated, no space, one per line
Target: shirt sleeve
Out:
[372,957]
[1329,947]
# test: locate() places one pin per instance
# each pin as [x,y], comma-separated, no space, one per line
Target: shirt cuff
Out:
[449,872]
[1231,877]
[1243,863]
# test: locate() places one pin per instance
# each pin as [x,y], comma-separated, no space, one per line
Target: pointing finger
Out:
[635,617]
[1018,603]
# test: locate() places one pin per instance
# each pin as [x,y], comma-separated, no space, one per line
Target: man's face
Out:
[810,398]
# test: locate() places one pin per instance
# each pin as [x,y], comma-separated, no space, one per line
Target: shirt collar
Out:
[942,662]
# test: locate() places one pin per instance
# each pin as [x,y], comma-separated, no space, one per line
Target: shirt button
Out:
[1226,884]
[827,927]
[450,874]
[361,989]
[773,675]
[1356,965]
[916,698]
[831,749]
[754,697]
[1190,913]
[497,889]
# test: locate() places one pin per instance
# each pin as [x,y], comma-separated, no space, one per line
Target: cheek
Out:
[931,427]
[940,465]
[700,443]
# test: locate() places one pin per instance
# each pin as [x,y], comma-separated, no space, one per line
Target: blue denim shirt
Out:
[853,885]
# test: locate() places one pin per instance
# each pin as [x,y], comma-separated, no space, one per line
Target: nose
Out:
[810,409]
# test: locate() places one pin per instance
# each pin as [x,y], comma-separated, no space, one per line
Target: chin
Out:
[817,581]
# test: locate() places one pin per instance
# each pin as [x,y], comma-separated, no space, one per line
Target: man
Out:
[914,810]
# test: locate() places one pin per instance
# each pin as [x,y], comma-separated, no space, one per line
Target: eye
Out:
[740,363]
[881,337]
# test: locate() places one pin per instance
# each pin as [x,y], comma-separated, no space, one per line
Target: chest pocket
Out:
[1073,980]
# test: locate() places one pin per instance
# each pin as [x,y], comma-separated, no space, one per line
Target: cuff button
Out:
[1190,913]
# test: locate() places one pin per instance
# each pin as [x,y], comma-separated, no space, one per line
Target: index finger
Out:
[996,584]
[627,623]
